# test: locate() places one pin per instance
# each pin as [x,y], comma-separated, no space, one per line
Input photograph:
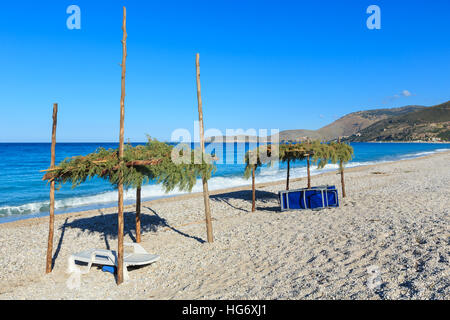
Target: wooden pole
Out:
[341,169]
[121,146]
[287,178]
[309,174]
[253,190]
[138,214]
[52,195]
[209,231]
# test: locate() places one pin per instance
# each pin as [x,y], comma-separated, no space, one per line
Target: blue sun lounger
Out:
[315,198]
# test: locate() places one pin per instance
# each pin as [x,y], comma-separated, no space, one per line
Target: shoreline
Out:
[94,197]
[180,197]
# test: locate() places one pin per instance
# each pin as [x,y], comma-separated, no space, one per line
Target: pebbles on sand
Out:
[389,240]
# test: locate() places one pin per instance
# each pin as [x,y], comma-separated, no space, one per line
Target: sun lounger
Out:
[315,198]
[105,257]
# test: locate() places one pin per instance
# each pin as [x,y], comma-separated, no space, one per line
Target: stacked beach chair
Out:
[315,198]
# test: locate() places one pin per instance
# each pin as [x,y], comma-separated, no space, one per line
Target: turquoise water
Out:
[24,195]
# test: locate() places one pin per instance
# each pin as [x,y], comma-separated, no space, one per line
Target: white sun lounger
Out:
[105,257]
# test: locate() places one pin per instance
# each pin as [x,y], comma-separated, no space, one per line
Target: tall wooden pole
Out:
[209,230]
[138,214]
[52,194]
[341,169]
[287,178]
[253,190]
[309,173]
[121,143]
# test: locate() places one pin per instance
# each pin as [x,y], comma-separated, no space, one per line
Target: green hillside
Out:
[347,125]
[426,124]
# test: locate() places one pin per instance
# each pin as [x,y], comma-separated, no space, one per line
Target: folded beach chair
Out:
[105,257]
[315,198]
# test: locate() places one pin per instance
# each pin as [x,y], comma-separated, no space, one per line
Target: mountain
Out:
[347,125]
[424,124]
[409,123]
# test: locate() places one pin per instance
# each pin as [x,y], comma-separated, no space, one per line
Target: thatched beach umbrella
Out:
[309,148]
[322,154]
[292,152]
[141,164]
[254,159]
[129,166]
[341,153]
[313,151]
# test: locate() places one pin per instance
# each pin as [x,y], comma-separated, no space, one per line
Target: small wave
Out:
[28,208]
[420,154]
[44,206]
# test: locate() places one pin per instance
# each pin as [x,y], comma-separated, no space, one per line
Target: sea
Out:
[24,195]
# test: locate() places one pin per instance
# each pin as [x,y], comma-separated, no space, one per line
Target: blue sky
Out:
[264,64]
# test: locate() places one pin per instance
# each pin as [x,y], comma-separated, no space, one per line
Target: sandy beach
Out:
[389,239]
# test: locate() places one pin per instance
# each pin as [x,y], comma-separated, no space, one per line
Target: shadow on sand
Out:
[106,224]
[165,224]
[246,195]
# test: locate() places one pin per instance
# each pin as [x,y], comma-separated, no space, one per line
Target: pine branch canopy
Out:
[256,158]
[292,152]
[141,164]
[321,153]
[341,152]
